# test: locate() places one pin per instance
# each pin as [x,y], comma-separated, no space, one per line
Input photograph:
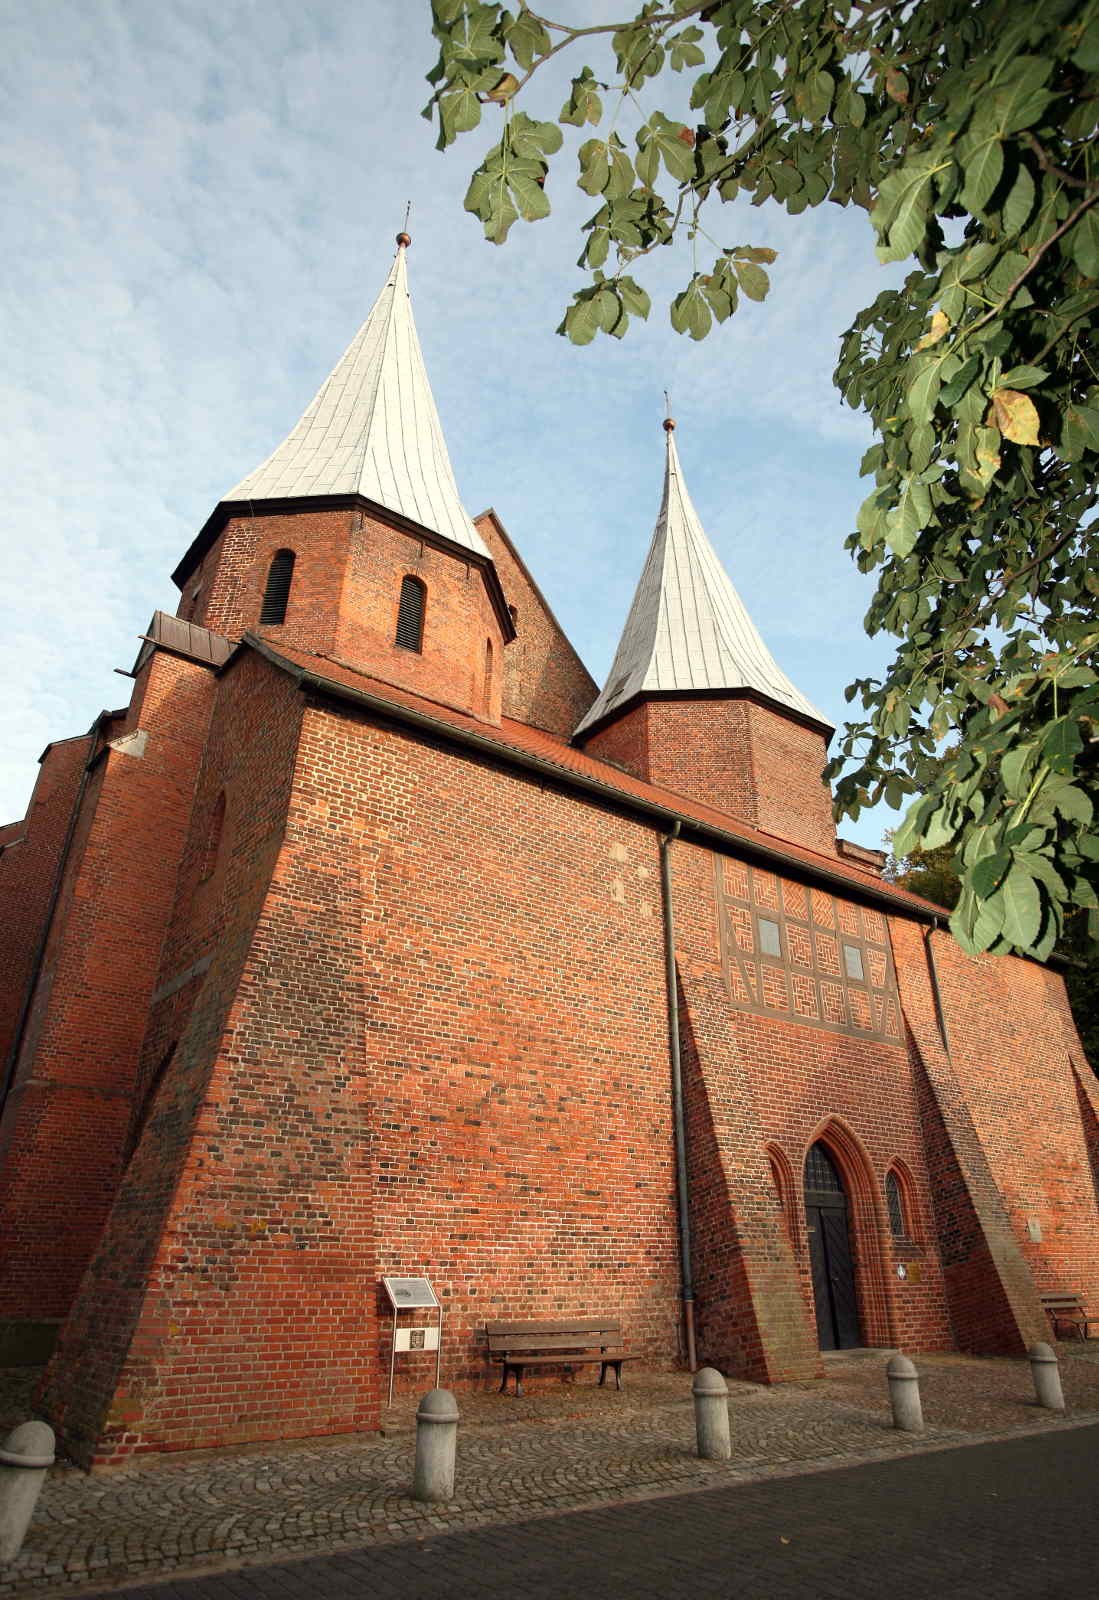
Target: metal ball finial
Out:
[668,424]
[404,240]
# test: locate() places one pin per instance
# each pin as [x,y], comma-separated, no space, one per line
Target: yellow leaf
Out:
[940,324]
[505,88]
[1015,416]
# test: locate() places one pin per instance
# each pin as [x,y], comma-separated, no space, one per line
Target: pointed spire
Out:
[688,629]
[373,429]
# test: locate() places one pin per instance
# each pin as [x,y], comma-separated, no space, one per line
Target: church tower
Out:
[350,540]
[696,703]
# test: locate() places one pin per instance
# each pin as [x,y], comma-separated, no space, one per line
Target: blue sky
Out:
[200,199]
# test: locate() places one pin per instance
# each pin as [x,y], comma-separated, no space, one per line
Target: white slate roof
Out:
[373,430]
[688,629]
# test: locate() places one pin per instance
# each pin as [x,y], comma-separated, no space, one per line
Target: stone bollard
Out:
[711,1397]
[25,1458]
[436,1445]
[1047,1377]
[904,1394]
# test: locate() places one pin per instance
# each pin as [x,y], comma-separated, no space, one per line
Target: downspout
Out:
[936,992]
[55,894]
[682,1193]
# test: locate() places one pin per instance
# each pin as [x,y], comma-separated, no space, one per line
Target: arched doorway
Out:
[830,1252]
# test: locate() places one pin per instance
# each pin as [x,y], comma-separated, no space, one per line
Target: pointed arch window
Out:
[410,614]
[277,593]
[898,1205]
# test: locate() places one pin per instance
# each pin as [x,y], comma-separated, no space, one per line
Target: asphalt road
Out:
[1007,1520]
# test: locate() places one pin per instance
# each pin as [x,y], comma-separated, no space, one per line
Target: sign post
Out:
[413,1294]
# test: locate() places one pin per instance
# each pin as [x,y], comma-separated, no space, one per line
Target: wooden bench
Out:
[578,1342]
[1069,1309]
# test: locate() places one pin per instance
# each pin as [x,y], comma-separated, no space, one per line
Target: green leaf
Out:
[690,313]
[752,279]
[1022,908]
[527,40]
[583,104]
[1072,803]
[529,197]
[675,144]
[1019,203]
[982,161]
[989,874]
[1081,431]
[684,50]
[951,392]
[904,201]
[595,166]
[634,298]
[1024,377]
[923,392]
[1086,54]
[911,514]
[1062,744]
[1083,243]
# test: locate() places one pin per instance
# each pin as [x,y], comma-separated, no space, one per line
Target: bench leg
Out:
[518,1379]
[503,1389]
[618,1374]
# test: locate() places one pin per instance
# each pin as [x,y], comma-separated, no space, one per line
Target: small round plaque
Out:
[902,1270]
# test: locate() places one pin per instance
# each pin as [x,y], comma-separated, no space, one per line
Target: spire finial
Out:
[404,238]
[669,421]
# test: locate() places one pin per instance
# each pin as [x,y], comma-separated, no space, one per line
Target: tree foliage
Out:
[967,132]
[933,874]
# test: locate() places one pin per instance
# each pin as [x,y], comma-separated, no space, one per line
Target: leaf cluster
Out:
[966,131]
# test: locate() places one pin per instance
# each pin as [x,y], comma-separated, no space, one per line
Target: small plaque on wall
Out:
[410,1294]
[417,1339]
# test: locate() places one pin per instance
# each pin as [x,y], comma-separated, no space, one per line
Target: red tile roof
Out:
[518,740]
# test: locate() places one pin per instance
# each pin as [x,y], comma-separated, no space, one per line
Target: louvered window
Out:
[277,592]
[410,614]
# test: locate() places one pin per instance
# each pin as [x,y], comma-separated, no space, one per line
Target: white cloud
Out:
[200,202]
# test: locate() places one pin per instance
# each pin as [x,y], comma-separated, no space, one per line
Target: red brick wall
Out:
[516,1046]
[546,684]
[1006,1021]
[458,621]
[232,576]
[76,1071]
[792,800]
[228,1287]
[776,1087]
[731,754]
[28,867]
[990,1290]
[623,742]
[344,597]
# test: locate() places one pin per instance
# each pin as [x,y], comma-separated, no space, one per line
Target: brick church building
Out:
[371,937]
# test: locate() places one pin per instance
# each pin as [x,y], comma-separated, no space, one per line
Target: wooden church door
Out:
[830,1253]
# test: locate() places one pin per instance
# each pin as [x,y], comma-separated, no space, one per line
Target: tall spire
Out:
[688,629]
[373,429]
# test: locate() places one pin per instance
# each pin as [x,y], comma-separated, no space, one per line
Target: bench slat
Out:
[578,1359]
[553,1341]
[577,1325]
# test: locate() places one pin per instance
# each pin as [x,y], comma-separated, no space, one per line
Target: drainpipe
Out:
[682,1194]
[936,993]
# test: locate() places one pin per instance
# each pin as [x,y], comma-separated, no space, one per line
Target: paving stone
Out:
[562,1447]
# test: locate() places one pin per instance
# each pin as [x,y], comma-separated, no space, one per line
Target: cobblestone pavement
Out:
[561,1447]
[1013,1519]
